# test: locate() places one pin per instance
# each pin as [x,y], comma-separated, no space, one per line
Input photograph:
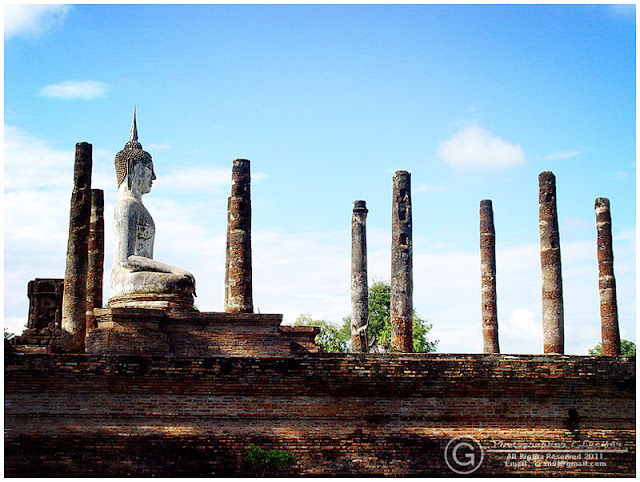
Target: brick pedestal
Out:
[145,331]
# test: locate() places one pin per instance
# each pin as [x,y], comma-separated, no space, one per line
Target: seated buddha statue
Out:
[136,277]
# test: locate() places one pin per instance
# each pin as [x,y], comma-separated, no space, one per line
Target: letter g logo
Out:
[463,454]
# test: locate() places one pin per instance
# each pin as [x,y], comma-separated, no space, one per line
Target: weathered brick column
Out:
[238,290]
[401,265]
[607,280]
[359,285]
[96,256]
[488,278]
[74,297]
[552,304]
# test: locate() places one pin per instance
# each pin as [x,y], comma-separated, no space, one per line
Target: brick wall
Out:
[89,415]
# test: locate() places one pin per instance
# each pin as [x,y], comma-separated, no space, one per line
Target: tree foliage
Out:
[627,348]
[332,338]
[337,338]
[380,320]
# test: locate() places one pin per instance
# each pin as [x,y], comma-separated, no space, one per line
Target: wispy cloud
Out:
[561,155]
[32,20]
[627,10]
[158,147]
[619,175]
[473,146]
[577,223]
[423,187]
[70,89]
[200,178]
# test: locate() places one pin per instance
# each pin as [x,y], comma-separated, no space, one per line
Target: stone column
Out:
[96,256]
[552,305]
[488,278]
[74,297]
[401,265]
[607,280]
[359,285]
[238,286]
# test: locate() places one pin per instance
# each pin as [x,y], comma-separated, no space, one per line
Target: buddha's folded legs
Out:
[125,282]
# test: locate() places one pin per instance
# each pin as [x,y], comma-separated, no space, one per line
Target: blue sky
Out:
[328,101]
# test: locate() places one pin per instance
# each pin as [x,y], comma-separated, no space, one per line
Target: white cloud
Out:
[32,20]
[561,155]
[30,163]
[70,89]
[473,146]
[522,328]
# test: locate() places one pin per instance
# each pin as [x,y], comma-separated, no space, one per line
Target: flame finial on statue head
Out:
[133,135]
[133,142]
[131,154]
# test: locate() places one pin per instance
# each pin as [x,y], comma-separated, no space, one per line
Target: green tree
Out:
[627,348]
[337,338]
[332,338]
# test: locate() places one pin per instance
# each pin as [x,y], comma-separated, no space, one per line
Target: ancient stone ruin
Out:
[552,303]
[238,280]
[150,386]
[151,310]
[95,253]
[359,282]
[74,298]
[45,313]
[488,278]
[401,265]
[607,280]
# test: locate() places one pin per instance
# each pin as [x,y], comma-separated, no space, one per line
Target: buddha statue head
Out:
[132,159]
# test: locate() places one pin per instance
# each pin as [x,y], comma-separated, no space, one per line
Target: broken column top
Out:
[401,175]
[360,207]
[547,194]
[546,177]
[241,164]
[486,217]
[240,177]
[98,194]
[83,165]
[601,202]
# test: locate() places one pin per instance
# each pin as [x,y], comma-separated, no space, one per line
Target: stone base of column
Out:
[401,334]
[165,301]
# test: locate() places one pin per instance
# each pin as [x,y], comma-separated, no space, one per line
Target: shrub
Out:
[264,461]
